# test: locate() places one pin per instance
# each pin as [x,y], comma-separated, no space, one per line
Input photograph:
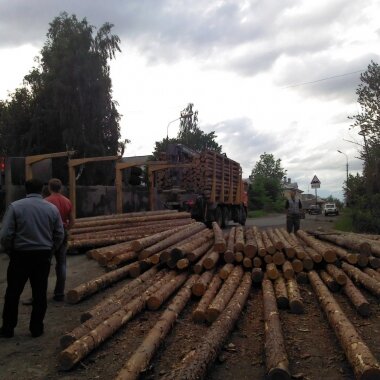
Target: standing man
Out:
[64,207]
[31,229]
[294,207]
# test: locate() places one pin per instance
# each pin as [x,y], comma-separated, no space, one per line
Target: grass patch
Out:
[257,213]
[344,222]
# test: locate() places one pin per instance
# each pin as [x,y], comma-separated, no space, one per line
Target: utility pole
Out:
[346,174]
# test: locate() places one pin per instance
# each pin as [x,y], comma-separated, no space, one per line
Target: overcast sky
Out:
[246,66]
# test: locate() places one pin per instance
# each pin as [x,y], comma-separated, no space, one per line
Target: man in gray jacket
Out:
[31,229]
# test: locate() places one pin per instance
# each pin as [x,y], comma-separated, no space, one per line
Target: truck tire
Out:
[218,216]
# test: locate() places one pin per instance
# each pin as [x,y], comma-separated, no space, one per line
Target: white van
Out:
[331,209]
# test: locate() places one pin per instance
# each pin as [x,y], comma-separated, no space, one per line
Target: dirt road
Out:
[314,352]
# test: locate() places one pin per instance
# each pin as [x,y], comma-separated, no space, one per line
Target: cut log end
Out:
[279,374]
[66,340]
[72,297]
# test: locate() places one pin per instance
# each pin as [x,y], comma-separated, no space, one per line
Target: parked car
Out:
[331,209]
[315,210]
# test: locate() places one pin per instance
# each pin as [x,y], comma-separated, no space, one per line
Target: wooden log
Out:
[239,239]
[308,263]
[343,254]
[362,361]
[314,255]
[357,245]
[294,242]
[173,239]
[267,258]
[261,250]
[302,278]
[271,271]
[289,250]
[226,270]
[84,345]
[119,259]
[295,300]
[200,251]
[281,293]
[247,263]
[257,262]
[327,253]
[276,358]
[279,258]
[200,286]
[356,298]
[219,241]
[298,265]
[224,295]
[250,247]
[374,262]
[93,286]
[211,260]
[372,273]
[274,239]
[363,279]
[270,248]
[155,301]
[199,314]
[144,353]
[239,257]
[329,281]
[363,260]
[196,362]
[229,254]
[198,266]
[257,275]
[111,305]
[287,270]
[337,274]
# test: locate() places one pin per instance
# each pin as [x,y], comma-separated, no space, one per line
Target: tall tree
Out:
[67,100]
[189,134]
[266,183]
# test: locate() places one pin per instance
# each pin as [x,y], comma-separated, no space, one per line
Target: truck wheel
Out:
[218,216]
[225,216]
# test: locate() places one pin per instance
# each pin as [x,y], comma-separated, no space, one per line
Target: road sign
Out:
[315,183]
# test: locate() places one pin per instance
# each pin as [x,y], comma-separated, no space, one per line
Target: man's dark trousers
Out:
[293,221]
[24,265]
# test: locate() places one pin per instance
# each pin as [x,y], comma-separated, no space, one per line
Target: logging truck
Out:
[207,184]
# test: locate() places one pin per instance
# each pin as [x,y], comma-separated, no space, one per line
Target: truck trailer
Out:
[207,184]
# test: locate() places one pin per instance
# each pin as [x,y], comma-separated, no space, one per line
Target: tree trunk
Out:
[224,295]
[239,239]
[278,258]
[363,279]
[257,275]
[295,299]
[144,353]
[329,281]
[270,248]
[364,364]
[314,255]
[211,260]
[276,358]
[250,247]
[200,251]
[372,273]
[200,286]
[261,250]
[219,241]
[327,253]
[274,239]
[356,298]
[229,255]
[337,274]
[195,364]
[198,266]
[199,314]
[271,271]
[226,270]
[281,293]
[298,265]
[283,235]
[287,270]
[257,262]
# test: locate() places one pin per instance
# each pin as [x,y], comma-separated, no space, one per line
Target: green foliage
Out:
[265,191]
[344,221]
[66,101]
[338,202]
[363,192]
[189,135]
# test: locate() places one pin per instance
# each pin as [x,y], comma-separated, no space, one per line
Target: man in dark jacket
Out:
[293,206]
[31,229]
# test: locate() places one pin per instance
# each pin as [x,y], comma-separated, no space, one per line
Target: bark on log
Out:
[271,271]
[225,271]
[247,263]
[343,254]
[239,256]
[329,281]
[261,250]
[372,273]
[219,241]
[283,235]
[302,278]
[287,270]
[275,240]
[356,298]
[93,286]
[295,300]
[257,275]
[281,293]
[270,248]
[200,251]
[363,279]
[267,259]
[211,260]
[327,253]
[155,301]
[337,274]
[224,295]
[314,255]
[298,265]
[144,353]
[198,266]
[113,304]
[196,362]
[357,245]
[277,363]
[374,262]
[257,262]
[250,247]
[83,346]
[363,362]
[119,259]
[200,286]
[279,258]
[199,314]
[229,255]
[239,239]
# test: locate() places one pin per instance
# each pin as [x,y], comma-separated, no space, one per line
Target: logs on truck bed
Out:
[195,364]
[363,362]
[277,363]
[224,295]
[144,353]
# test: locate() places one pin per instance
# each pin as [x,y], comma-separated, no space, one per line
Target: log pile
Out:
[218,270]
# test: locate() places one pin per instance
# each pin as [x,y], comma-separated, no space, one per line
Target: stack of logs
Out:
[219,269]
[206,167]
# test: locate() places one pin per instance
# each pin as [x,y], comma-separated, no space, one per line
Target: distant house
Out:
[309,199]
[288,186]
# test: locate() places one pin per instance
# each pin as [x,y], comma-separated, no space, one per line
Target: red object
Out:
[63,205]
[2,164]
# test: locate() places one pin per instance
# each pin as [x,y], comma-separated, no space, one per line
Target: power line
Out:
[323,79]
